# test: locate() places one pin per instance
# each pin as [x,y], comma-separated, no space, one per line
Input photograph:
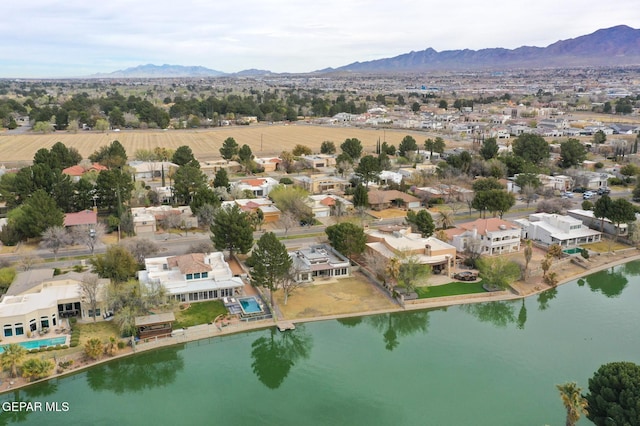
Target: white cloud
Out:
[49,38]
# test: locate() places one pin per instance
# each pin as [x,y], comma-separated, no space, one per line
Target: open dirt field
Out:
[344,296]
[264,140]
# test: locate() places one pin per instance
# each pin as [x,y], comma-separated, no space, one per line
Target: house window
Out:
[19,329]
[90,313]
[44,322]
[32,325]
[205,275]
[189,276]
[196,276]
[97,312]
[8,331]
[53,319]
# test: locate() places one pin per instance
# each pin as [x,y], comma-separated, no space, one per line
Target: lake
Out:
[484,364]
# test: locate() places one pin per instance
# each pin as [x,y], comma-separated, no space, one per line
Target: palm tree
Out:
[528,254]
[574,403]
[12,357]
[393,268]
[546,264]
[446,219]
[34,369]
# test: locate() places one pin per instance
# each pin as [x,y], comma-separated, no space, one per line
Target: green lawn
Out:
[452,289]
[199,313]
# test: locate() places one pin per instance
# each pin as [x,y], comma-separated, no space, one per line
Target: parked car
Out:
[602,191]
[579,189]
[588,195]
[567,194]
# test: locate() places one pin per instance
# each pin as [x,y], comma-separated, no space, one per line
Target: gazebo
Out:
[154,325]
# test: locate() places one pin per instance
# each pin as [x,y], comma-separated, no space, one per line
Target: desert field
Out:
[264,140]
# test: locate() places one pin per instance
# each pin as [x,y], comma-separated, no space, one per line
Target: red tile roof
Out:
[79,170]
[253,182]
[87,217]
[328,201]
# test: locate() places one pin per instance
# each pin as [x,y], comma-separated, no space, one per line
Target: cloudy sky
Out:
[53,38]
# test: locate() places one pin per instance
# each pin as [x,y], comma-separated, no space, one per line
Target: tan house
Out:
[399,241]
[485,236]
[380,200]
[77,171]
[269,211]
[322,183]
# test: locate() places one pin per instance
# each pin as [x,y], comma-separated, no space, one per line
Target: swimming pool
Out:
[249,305]
[37,344]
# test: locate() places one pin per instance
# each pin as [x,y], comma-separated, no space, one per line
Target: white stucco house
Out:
[319,261]
[485,236]
[549,229]
[192,277]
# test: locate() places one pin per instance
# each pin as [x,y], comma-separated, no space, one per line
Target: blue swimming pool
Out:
[249,305]
[36,344]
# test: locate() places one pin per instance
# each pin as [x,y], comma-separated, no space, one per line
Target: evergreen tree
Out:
[232,230]
[38,213]
[360,197]
[408,144]
[347,238]
[489,149]
[352,147]
[221,180]
[271,263]
[184,156]
[614,392]
[229,148]
[422,222]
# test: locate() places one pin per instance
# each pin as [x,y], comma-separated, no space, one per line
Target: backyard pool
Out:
[37,344]
[574,250]
[250,305]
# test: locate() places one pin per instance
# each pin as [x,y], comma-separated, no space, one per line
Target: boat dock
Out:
[284,326]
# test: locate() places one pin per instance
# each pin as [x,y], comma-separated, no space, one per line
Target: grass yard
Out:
[452,289]
[102,330]
[605,246]
[198,313]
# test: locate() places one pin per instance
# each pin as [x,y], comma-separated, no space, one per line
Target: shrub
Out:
[73,320]
[121,344]
[286,181]
[78,268]
[65,347]
[57,271]
[585,253]
[74,343]
[33,351]
[51,348]
[598,165]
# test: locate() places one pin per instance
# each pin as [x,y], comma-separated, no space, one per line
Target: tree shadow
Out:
[399,324]
[499,313]
[610,282]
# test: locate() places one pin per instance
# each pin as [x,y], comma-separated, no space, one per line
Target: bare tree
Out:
[141,248]
[55,238]
[289,283]
[171,221]
[200,247]
[88,235]
[90,287]
[206,215]
[376,263]
[28,260]
[288,220]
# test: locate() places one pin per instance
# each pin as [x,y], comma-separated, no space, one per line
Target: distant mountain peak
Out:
[619,45]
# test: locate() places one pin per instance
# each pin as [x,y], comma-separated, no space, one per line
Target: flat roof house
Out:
[318,261]
[566,231]
[192,277]
[36,301]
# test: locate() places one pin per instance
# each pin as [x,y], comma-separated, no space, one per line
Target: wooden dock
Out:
[284,326]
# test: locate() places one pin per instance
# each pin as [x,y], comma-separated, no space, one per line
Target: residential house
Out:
[192,277]
[399,241]
[145,219]
[549,229]
[319,261]
[380,200]
[37,301]
[322,183]
[319,161]
[592,180]
[485,236]
[445,192]
[325,205]
[151,170]
[210,168]
[608,227]
[269,211]
[268,164]
[259,187]
[86,218]
[77,171]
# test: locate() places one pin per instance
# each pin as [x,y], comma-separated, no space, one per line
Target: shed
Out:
[155,325]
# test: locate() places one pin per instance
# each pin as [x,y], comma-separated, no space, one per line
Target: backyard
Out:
[344,296]
[451,289]
[198,313]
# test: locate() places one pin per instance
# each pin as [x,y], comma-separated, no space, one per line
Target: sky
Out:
[76,38]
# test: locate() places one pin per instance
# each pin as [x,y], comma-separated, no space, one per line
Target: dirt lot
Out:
[388,213]
[263,139]
[344,296]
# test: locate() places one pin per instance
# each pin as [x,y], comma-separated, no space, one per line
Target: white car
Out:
[567,194]
[588,195]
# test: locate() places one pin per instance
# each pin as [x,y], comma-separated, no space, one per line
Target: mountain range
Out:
[615,46]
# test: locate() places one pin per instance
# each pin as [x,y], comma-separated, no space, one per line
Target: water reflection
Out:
[631,268]
[522,316]
[274,354]
[18,416]
[399,324]
[610,282]
[149,370]
[545,297]
[499,313]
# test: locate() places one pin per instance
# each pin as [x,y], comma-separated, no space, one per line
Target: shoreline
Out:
[521,290]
